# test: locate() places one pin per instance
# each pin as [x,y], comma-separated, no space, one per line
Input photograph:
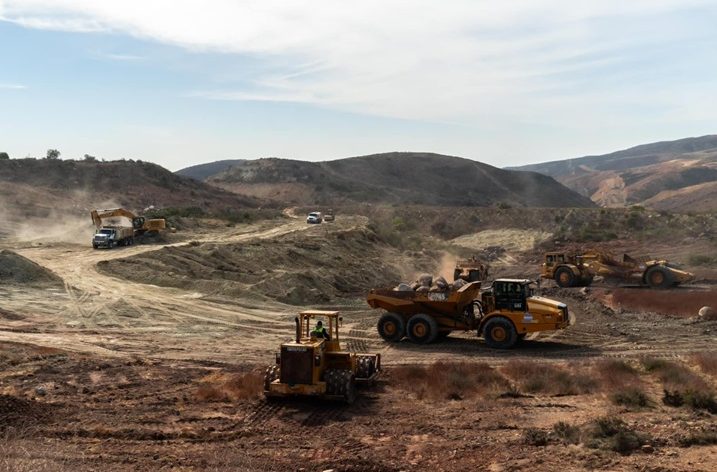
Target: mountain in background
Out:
[394,178]
[202,171]
[670,175]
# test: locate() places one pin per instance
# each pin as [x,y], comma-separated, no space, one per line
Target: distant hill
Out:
[46,188]
[672,175]
[399,177]
[202,171]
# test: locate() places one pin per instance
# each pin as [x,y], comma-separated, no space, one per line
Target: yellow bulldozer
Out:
[579,269]
[471,270]
[314,364]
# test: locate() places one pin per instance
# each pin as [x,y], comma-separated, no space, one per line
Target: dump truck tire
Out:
[341,383]
[391,328]
[271,374]
[499,333]
[658,277]
[422,329]
[565,277]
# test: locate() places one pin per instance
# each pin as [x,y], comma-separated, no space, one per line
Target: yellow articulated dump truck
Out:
[503,314]
[313,364]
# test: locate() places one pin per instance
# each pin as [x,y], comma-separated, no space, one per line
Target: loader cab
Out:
[553,259]
[512,294]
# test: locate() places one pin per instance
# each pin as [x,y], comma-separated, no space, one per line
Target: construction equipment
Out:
[471,270]
[310,365]
[113,236]
[140,224]
[502,314]
[579,269]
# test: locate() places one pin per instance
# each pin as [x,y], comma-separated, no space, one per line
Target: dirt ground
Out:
[113,374]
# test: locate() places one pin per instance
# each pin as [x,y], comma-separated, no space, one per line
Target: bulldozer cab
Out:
[511,294]
[553,259]
[330,321]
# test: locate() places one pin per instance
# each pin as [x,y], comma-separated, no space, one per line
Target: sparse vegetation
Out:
[4,156]
[682,387]
[631,397]
[448,381]
[536,377]
[698,438]
[707,362]
[567,433]
[614,434]
[535,437]
[53,154]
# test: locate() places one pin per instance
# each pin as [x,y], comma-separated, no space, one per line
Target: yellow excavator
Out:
[140,224]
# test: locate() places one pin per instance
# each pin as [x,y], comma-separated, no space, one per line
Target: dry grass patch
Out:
[225,387]
[707,362]
[682,386]
[538,377]
[448,381]
[622,382]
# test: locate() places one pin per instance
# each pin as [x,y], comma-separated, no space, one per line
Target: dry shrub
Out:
[613,434]
[448,381]
[535,437]
[538,377]
[675,375]
[698,438]
[567,433]
[682,386]
[707,362]
[631,397]
[225,387]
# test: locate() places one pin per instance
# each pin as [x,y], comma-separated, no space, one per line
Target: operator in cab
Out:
[320,331]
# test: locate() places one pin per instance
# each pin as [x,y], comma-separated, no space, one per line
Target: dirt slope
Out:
[399,177]
[47,188]
[315,266]
[15,269]
[672,175]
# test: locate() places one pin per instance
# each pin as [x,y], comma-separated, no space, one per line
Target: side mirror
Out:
[341,320]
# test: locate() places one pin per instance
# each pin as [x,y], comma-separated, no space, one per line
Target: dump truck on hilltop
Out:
[579,269]
[503,314]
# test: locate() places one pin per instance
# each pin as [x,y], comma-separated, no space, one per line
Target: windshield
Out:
[314,215]
[108,232]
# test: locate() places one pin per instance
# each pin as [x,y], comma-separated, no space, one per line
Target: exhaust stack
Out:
[298,330]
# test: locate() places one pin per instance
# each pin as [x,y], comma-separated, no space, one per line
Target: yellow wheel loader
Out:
[313,364]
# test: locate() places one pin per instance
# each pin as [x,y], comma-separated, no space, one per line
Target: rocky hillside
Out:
[673,175]
[46,188]
[400,178]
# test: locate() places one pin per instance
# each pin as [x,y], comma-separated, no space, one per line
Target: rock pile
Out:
[427,283]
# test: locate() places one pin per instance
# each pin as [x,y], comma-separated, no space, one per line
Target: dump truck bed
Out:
[448,303]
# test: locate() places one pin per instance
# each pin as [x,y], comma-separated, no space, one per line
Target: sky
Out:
[508,83]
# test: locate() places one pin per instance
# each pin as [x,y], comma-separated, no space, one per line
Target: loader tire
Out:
[391,328]
[658,277]
[422,329]
[341,383]
[366,366]
[565,277]
[271,374]
[499,333]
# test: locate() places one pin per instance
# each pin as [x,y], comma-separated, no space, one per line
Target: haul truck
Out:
[502,314]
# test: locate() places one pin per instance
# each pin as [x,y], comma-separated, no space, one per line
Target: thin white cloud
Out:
[466,60]
[13,87]
[120,57]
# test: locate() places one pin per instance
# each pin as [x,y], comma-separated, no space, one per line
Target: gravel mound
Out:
[17,269]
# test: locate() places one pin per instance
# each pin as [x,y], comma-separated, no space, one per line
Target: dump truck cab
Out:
[313,365]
